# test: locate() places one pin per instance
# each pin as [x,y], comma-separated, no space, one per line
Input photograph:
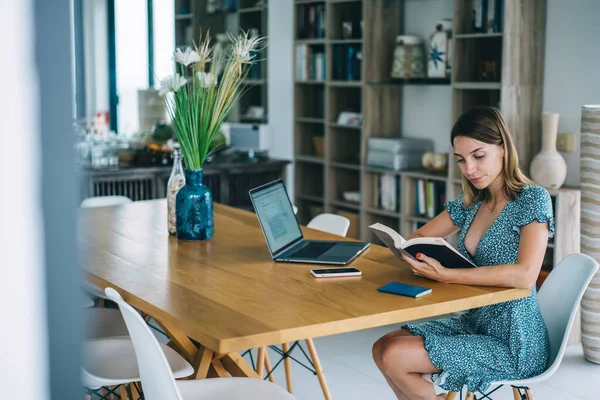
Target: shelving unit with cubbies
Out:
[192,19]
[483,73]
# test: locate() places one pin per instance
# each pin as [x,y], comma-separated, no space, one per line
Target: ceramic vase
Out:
[548,168]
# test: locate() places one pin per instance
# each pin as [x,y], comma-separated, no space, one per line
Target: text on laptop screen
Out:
[276,216]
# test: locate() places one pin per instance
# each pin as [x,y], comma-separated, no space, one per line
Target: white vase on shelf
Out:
[548,168]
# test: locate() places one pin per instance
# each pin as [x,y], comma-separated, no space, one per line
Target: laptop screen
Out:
[276,216]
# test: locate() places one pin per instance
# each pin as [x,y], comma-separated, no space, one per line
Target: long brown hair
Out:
[487,125]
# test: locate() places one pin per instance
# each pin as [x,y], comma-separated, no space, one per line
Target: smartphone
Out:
[334,272]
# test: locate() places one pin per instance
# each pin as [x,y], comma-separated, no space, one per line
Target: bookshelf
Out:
[192,17]
[488,68]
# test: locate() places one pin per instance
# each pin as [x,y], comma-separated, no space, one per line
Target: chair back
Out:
[156,375]
[105,201]
[559,298]
[331,223]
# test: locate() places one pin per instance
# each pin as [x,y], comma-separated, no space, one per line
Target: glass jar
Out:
[409,58]
[176,182]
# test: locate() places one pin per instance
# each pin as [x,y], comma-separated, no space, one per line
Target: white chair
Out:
[295,209]
[102,323]
[88,302]
[105,201]
[110,363]
[559,298]
[101,201]
[158,380]
[331,223]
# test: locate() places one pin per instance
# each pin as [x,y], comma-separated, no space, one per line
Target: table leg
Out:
[202,361]
[179,342]
[237,366]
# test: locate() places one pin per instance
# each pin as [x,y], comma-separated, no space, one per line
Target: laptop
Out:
[284,237]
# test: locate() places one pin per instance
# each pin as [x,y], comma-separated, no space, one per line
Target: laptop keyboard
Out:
[313,250]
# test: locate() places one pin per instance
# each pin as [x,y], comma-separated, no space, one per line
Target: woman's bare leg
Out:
[402,359]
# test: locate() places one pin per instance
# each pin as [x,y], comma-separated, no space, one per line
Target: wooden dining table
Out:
[219,297]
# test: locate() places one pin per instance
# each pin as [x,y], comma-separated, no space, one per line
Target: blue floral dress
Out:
[504,341]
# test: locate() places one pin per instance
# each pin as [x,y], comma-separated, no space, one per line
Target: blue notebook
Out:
[404,289]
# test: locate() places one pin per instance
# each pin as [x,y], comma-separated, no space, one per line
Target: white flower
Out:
[171,83]
[186,57]
[244,45]
[206,79]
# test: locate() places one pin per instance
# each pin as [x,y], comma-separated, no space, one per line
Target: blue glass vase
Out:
[194,209]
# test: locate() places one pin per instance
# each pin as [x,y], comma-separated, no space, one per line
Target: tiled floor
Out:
[352,375]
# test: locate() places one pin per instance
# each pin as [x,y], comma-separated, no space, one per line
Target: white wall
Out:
[281,83]
[571,74]
[23,344]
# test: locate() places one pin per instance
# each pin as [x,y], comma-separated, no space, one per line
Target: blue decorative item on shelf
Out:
[194,209]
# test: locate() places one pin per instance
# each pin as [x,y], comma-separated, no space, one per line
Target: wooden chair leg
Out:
[516,393]
[133,390]
[470,396]
[260,362]
[123,392]
[269,367]
[100,303]
[529,394]
[288,367]
[317,364]
[451,395]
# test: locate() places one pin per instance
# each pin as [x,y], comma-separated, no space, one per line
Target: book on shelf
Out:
[311,21]
[386,192]
[430,197]
[434,247]
[487,16]
[310,63]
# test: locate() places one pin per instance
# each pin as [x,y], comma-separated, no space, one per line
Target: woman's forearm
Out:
[506,275]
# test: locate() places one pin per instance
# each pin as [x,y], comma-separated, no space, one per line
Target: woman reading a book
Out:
[503,223]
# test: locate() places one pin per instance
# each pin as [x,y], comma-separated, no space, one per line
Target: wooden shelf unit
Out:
[378,98]
[191,20]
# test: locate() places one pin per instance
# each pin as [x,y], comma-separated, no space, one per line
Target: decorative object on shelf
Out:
[409,58]
[347,31]
[255,112]
[590,220]
[352,196]
[319,145]
[397,153]
[489,71]
[436,162]
[176,181]
[198,99]
[440,41]
[349,118]
[548,168]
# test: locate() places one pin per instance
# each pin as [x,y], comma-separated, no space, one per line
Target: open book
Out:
[434,247]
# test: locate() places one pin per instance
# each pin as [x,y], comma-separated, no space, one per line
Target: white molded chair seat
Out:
[105,201]
[104,323]
[231,389]
[331,223]
[111,361]
[559,298]
[88,302]
[158,379]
